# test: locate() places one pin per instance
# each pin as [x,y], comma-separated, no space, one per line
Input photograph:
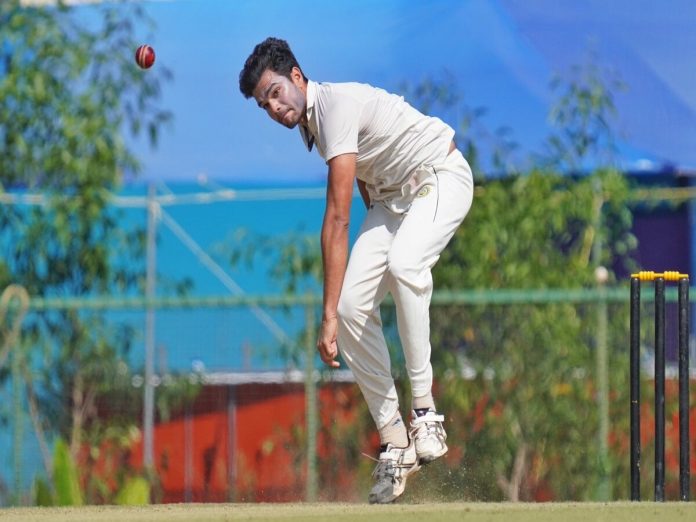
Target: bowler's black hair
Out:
[273,54]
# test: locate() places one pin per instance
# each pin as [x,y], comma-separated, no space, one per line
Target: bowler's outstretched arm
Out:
[334,248]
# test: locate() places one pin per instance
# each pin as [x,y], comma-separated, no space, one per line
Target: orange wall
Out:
[262,469]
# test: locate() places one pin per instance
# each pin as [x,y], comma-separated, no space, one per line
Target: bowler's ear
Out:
[297,76]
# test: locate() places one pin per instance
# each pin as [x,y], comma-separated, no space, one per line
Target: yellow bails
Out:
[645,275]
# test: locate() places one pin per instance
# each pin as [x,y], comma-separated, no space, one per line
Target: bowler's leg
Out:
[429,225]
[360,337]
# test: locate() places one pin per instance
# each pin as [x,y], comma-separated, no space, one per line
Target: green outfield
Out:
[439,512]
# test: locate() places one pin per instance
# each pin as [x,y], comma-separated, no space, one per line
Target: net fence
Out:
[534,386]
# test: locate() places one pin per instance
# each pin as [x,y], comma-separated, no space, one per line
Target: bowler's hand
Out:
[326,344]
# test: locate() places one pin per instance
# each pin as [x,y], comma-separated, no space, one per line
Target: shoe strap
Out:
[428,417]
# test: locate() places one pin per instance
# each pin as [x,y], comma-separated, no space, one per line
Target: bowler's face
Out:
[284,99]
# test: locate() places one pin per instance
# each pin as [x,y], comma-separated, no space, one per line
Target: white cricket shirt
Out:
[392,140]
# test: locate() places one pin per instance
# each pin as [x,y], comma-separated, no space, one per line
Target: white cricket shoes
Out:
[428,435]
[393,468]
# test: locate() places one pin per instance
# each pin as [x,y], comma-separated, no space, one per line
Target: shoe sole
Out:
[427,459]
[415,468]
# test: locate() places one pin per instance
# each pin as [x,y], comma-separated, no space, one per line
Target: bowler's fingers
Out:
[328,353]
[326,343]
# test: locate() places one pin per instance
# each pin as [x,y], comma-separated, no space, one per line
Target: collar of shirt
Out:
[305,132]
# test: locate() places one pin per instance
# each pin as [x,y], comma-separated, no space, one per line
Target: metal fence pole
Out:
[601,353]
[602,365]
[311,405]
[149,395]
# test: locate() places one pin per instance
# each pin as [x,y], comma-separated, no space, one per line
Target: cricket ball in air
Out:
[145,56]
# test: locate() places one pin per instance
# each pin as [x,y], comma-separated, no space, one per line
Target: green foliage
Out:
[70,94]
[109,438]
[545,236]
[67,91]
[135,492]
[65,476]
[113,485]
[582,116]
[43,496]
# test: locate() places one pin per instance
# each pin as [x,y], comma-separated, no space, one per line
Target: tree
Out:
[69,95]
[529,405]
[529,408]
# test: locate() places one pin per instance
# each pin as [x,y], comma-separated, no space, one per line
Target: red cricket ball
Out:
[145,56]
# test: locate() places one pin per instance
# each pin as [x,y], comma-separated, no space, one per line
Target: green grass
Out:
[437,512]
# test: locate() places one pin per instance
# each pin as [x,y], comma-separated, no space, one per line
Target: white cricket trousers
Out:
[395,253]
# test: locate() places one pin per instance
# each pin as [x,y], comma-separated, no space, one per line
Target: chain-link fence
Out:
[534,385]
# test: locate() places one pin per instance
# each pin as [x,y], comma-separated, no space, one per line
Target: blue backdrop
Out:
[501,53]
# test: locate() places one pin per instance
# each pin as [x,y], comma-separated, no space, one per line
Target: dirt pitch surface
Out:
[437,512]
